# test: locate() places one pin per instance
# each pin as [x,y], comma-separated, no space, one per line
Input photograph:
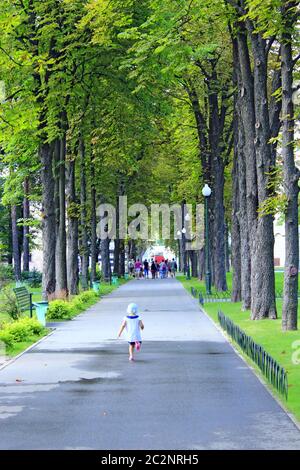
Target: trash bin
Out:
[41,310]
[115,280]
[96,286]
[126,276]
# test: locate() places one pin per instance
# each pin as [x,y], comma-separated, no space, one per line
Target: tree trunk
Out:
[56,170]
[291,178]
[201,264]
[227,249]
[46,157]
[117,242]
[94,249]
[15,243]
[122,259]
[254,112]
[243,223]
[61,290]
[242,270]
[20,233]
[132,249]
[26,215]
[83,225]
[263,303]
[73,253]
[235,227]
[10,244]
[105,259]
[217,196]
[194,262]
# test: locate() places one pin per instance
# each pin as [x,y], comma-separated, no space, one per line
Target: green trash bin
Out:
[96,286]
[115,280]
[126,276]
[41,310]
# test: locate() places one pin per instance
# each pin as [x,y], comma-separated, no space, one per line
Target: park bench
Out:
[24,299]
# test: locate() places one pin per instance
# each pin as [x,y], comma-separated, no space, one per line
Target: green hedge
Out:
[20,330]
[65,310]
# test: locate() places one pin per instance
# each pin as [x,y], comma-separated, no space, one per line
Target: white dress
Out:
[133,330]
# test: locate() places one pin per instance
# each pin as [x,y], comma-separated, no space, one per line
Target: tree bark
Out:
[83,225]
[117,244]
[15,243]
[26,215]
[217,196]
[46,157]
[263,303]
[61,290]
[194,262]
[201,264]
[235,227]
[105,259]
[291,178]
[94,248]
[10,244]
[122,258]
[242,277]
[257,150]
[227,249]
[72,260]
[132,249]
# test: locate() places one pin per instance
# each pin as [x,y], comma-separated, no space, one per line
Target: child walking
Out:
[133,325]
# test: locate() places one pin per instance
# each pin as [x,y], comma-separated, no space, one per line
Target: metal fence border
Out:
[270,368]
[224,296]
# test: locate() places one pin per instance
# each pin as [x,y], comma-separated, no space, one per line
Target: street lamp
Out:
[206,191]
[186,267]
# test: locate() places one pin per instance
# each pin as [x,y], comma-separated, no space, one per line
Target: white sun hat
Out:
[132,309]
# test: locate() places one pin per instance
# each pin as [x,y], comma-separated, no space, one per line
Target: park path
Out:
[188,389]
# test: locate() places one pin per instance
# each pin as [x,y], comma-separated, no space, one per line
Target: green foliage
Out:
[33,278]
[6,273]
[276,203]
[9,304]
[59,310]
[21,330]
[88,296]
[65,310]
[6,338]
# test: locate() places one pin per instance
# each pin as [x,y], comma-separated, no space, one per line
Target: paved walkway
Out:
[187,390]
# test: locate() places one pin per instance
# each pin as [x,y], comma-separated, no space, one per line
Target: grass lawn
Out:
[17,348]
[268,333]
[279,276]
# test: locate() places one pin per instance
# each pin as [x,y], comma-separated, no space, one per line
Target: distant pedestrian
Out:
[137,268]
[141,274]
[146,269]
[169,268]
[153,270]
[157,269]
[173,267]
[131,267]
[133,325]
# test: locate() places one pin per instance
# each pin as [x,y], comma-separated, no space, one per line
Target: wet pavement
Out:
[188,389]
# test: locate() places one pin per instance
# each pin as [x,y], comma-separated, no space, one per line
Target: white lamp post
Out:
[206,191]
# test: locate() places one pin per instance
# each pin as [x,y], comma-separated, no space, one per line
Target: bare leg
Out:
[131,351]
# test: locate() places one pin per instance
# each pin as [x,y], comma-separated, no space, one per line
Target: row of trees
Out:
[153,100]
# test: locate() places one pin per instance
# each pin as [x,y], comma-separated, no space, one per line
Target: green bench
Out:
[24,299]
